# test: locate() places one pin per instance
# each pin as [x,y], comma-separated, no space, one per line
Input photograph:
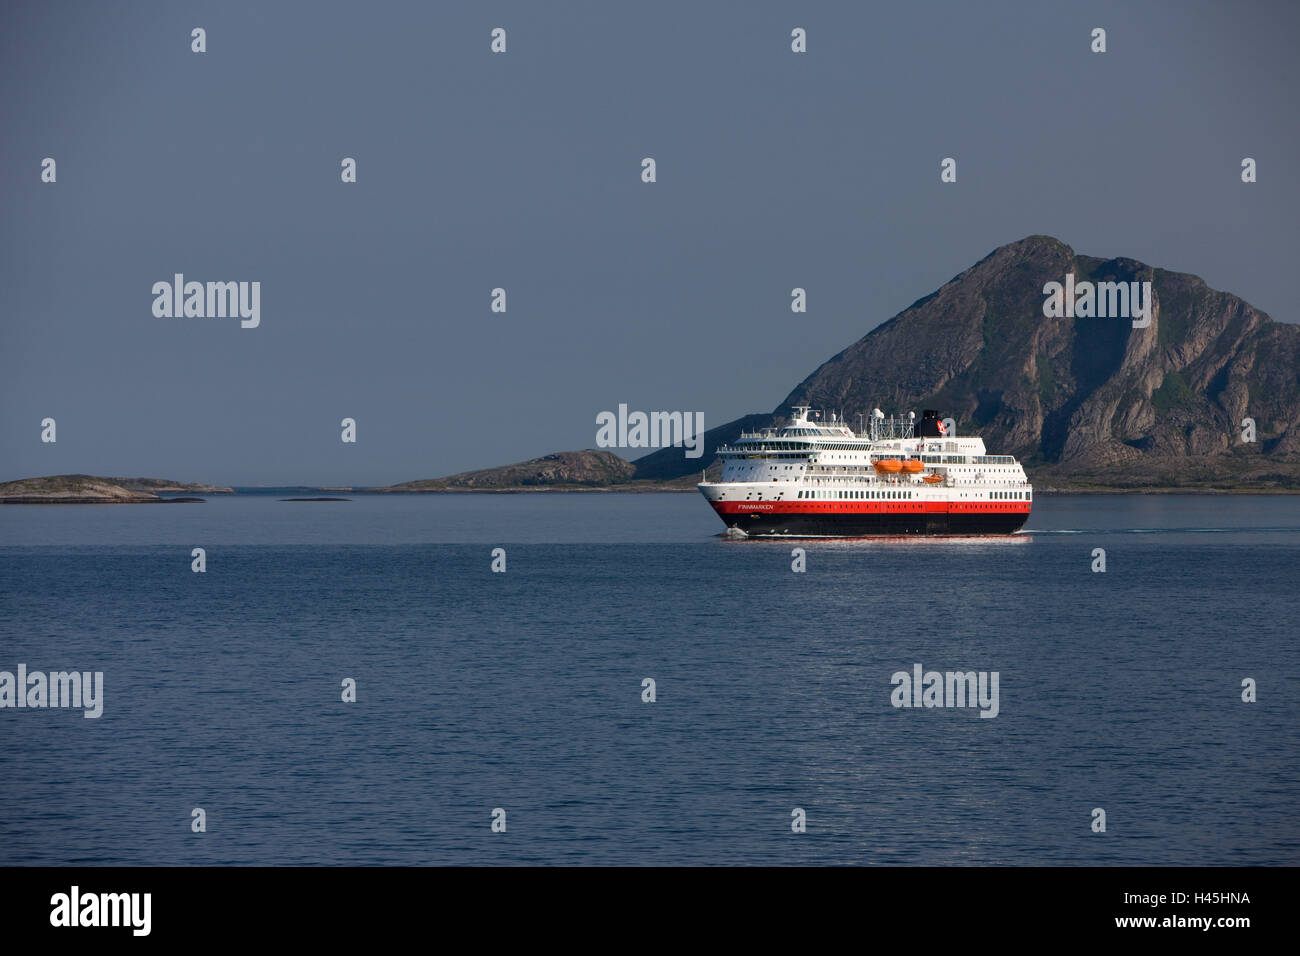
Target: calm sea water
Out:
[523,690]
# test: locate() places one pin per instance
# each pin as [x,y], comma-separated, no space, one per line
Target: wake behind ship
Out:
[821,479]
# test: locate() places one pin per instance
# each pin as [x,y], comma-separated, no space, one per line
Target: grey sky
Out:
[522,170]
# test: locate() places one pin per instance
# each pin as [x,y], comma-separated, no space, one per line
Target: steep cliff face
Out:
[1085,398]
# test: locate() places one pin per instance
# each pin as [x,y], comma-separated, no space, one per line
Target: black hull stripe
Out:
[861,525]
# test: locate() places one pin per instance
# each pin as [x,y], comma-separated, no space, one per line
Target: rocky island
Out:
[89,489]
[156,485]
[587,470]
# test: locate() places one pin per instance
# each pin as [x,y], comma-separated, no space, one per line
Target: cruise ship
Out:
[816,477]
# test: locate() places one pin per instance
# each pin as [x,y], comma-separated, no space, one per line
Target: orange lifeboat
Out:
[913,467]
[889,466]
[933,479]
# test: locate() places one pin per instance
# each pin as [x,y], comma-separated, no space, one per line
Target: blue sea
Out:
[523,690]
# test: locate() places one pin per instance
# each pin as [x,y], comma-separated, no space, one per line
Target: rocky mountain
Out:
[1082,401]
